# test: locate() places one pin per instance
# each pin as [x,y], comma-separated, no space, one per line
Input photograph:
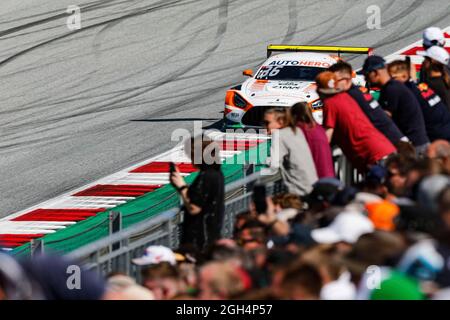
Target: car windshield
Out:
[293,73]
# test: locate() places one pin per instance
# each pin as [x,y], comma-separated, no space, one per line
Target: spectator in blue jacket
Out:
[398,101]
[435,112]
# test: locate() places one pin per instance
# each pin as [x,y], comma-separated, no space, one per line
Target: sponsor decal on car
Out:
[319,64]
[289,85]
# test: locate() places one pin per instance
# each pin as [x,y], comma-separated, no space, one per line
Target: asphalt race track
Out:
[78,105]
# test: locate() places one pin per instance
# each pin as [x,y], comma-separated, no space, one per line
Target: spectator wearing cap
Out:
[345,229]
[321,210]
[367,103]
[290,152]
[316,138]
[437,75]
[398,101]
[432,36]
[203,200]
[375,182]
[349,127]
[435,113]
[159,273]
[323,194]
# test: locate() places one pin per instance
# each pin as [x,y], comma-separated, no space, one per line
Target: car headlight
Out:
[318,104]
[239,101]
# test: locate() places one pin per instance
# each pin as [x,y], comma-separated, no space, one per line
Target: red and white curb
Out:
[109,192]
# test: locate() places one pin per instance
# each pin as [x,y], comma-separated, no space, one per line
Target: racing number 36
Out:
[270,71]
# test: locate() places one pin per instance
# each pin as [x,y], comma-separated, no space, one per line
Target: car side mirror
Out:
[248,73]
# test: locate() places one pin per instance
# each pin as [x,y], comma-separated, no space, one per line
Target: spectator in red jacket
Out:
[315,136]
[349,127]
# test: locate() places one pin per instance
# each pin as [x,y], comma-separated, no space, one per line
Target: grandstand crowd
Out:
[385,237]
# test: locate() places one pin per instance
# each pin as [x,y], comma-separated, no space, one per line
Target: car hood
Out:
[278,92]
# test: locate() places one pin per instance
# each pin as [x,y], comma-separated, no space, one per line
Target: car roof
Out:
[314,59]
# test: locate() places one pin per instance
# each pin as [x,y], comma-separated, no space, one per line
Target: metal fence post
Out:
[36,246]
[115,225]
[248,170]
[172,230]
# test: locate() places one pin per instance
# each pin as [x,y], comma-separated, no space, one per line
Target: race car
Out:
[281,81]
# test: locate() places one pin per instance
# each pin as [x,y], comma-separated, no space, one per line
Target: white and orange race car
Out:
[282,80]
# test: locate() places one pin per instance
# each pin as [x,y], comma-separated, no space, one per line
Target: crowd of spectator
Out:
[385,237]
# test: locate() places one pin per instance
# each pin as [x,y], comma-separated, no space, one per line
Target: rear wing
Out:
[332,49]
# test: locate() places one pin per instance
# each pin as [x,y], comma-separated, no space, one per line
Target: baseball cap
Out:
[436,53]
[433,36]
[348,226]
[326,83]
[383,214]
[373,63]
[377,174]
[345,196]
[155,255]
[325,189]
